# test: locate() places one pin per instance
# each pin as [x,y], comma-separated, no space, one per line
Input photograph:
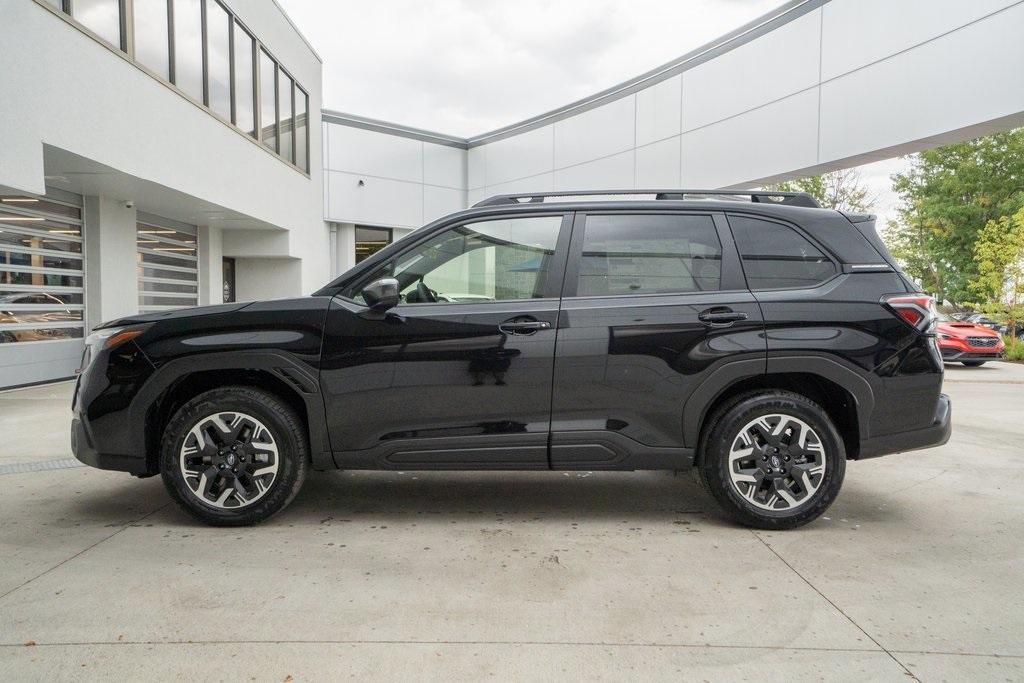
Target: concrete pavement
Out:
[914,572]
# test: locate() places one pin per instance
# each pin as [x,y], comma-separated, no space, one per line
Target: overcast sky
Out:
[465,67]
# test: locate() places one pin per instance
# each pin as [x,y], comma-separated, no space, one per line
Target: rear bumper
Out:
[86,453]
[934,435]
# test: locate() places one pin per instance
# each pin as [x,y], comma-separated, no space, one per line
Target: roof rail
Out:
[756,196]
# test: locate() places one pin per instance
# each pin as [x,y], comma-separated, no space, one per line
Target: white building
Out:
[159,153]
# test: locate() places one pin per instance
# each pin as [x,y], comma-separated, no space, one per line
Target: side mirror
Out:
[381,295]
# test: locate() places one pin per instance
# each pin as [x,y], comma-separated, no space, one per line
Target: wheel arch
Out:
[175,383]
[846,396]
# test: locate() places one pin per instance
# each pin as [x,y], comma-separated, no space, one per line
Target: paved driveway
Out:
[915,571]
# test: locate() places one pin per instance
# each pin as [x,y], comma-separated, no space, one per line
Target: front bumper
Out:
[936,434]
[950,354]
[86,453]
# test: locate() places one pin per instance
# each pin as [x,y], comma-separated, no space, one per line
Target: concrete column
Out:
[211,266]
[346,246]
[111,275]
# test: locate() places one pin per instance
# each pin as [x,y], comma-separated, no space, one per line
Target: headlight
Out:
[944,336]
[109,337]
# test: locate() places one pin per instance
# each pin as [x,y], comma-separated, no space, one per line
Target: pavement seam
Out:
[63,562]
[554,643]
[834,605]
[40,466]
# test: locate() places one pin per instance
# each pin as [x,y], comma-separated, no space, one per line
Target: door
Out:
[458,375]
[653,304]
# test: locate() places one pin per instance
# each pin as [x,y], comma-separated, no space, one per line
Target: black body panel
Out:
[622,381]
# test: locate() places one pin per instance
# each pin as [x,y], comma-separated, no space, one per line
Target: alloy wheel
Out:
[229,460]
[777,462]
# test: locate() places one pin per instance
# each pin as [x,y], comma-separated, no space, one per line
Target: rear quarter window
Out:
[776,256]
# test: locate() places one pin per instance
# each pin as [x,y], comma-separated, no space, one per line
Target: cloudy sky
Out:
[468,66]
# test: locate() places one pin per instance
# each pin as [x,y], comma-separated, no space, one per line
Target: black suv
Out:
[756,338]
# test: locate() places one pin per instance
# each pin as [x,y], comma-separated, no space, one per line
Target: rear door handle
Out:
[524,326]
[720,316]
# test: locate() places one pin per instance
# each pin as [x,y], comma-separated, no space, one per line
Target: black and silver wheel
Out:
[234,456]
[772,460]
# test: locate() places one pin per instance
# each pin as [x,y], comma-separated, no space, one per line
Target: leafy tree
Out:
[843,189]
[950,194]
[999,254]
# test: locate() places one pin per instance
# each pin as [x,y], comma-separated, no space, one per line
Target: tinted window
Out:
[301,127]
[151,49]
[654,254]
[284,108]
[103,17]
[188,47]
[485,261]
[218,57]
[775,256]
[244,85]
[268,101]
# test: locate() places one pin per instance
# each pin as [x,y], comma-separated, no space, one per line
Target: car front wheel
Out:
[234,456]
[772,460]
[973,363]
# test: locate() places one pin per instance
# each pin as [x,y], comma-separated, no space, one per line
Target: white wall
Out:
[405,182]
[847,83]
[64,89]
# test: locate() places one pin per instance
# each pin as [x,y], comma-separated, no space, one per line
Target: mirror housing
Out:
[381,295]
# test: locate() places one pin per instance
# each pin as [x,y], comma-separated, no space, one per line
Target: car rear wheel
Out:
[973,363]
[234,456]
[772,460]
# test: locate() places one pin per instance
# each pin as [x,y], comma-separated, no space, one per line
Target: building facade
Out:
[162,153]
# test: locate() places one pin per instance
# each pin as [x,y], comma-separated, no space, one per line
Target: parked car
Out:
[968,343]
[34,316]
[983,320]
[762,343]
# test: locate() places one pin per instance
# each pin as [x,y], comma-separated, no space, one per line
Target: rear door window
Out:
[776,256]
[627,254]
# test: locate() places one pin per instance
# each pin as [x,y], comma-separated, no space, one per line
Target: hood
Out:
[193,312]
[962,329]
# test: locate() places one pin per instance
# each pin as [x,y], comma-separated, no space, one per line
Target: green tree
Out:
[843,189]
[999,254]
[949,195]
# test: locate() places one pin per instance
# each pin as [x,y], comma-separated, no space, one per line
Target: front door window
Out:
[496,260]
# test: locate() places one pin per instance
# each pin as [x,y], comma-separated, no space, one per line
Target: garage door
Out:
[168,264]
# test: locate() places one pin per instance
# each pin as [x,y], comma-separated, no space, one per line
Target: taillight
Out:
[917,310]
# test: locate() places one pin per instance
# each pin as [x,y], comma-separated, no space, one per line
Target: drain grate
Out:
[41,466]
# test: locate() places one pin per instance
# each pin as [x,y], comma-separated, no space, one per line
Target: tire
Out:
[735,428]
[973,363]
[268,437]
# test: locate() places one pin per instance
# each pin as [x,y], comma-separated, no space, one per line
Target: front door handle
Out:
[524,325]
[720,316]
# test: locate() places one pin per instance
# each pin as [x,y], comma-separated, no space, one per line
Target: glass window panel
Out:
[56,4]
[287,127]
[218,58]
[483,261]
[776,257]
[34,204]
[102,17]
[168,256]
[20,296]
[14,277]
[188,47]
[151,270]
[244,84]
[151,39]
[370,240]
[652,254]
[13,238]
[43,334]
[268,99]
[301,129]
[169,300]
[9,257]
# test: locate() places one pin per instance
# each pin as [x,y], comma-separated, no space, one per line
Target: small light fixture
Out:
[361,182]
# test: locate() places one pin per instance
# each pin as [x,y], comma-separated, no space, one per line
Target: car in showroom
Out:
[752,337]
[970,343]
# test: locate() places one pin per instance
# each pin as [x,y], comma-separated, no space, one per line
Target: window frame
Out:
[827,253]
[552,286]
[732,279]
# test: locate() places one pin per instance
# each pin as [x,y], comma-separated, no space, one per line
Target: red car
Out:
[968,343]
